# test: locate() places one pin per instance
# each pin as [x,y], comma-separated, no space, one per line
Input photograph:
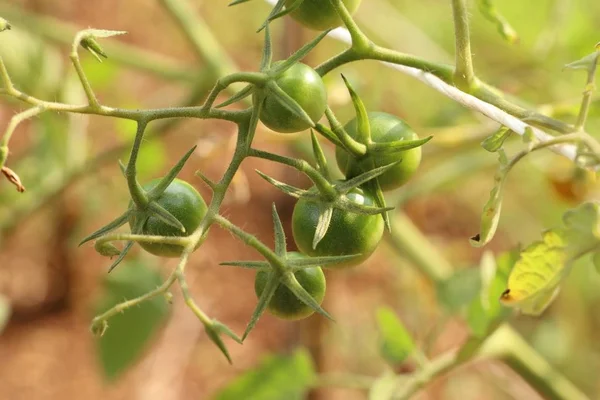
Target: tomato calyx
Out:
[291,94]
[282,267]
[138,214]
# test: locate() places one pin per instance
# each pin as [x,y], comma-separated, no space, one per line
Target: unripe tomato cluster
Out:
[349,233]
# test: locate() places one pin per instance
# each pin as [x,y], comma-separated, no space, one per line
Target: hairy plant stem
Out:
[587,94]
[464,77]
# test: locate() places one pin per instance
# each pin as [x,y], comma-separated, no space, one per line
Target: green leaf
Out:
[491,212]
[495,141]
[459,289]
[5,311]
[396,342]
[275,378]
[129,332]
[536,277]
[485,311]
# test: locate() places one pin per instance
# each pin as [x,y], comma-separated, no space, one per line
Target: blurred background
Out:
[50,287]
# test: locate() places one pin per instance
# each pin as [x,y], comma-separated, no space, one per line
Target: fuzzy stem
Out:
[464,77]
[587,94]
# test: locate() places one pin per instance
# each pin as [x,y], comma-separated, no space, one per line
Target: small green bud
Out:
[107,249]
[90,44]
[99,328]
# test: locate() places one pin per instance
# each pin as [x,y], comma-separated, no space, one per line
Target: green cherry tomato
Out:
[384,128]
[320,14]
[348,233]
[185,203]
[284,304]
[305,86]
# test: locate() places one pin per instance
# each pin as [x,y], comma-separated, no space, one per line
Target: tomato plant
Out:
[348,233]
[305,86]
[384,128]
[184,202]
[284,304]
[320,15]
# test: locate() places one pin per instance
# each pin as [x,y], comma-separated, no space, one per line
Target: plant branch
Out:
[464,77]
[587,94]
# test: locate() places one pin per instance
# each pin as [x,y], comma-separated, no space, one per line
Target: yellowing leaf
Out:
[535,279]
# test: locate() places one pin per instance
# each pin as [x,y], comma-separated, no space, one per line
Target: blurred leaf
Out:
[276,377]
[5,311]
[485,311]
[396,342]
[459,290]
[542,266]
[128,333]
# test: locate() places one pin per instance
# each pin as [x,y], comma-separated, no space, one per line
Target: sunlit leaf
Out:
[128,332]
[396,342]
[276,377]
[535,280]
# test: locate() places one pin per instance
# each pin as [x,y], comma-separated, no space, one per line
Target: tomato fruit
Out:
[284,304]
[348,233]
[305,86]
[184,203]
[320,14]
[384,128]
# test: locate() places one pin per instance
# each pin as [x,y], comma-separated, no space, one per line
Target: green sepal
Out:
[214,331]
[114,224]
[328,134]
[287,189]
[123,168]
[99,328]
[319,156]
[490,12]
[170,176]
[106,249]
[257,100]
[90,44]
[206,181]
[242,94]
[346,186]
[362,119]
[375,189]
[165,216]
[257,265]
[495,141]
[267,54]
[263,302]
[286,101]
[236,2]
[325,214]
[298,55]
[280,245]
[587,63]
[346,204]
[395,147]
[122,255]
[347,142]
[275,10]
[275,15]
[290,281]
